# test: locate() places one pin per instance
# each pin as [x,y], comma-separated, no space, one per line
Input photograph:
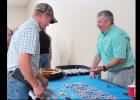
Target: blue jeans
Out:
[44,62]
[17,90]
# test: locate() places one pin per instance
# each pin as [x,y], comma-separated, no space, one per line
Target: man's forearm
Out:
[96,60]
[26,69]
[114,62]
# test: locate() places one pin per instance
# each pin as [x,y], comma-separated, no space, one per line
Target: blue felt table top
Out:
[57,87]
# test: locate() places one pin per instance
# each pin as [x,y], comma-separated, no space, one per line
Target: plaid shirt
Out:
[24,40]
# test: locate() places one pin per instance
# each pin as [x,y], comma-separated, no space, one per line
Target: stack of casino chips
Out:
[75,71]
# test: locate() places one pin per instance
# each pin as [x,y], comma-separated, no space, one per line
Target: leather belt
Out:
[18,75]
[128,67]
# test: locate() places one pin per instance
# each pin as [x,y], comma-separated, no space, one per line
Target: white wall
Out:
[16,16]
[74,36]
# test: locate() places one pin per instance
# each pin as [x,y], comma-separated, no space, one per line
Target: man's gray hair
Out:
[107,14]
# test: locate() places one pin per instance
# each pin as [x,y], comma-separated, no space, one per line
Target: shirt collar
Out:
[107,31]
[36,24]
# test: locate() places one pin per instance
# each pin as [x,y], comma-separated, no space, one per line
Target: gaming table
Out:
[74,87]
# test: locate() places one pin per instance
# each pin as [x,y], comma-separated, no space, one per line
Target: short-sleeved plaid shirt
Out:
[24,40]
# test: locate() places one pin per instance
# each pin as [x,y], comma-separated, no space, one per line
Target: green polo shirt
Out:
[115,43]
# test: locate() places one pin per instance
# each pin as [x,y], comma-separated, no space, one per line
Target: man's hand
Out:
[38,90]
[92,74]
[44,82]
[95,69]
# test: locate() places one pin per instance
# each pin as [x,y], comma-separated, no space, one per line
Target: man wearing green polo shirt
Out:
[114,51]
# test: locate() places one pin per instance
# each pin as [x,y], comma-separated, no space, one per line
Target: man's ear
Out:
[45,14]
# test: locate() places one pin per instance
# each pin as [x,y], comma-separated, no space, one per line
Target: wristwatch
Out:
[104,68]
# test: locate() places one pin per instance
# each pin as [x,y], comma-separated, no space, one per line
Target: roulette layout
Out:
[87,92]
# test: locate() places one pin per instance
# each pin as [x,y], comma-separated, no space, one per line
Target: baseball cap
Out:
[44,7]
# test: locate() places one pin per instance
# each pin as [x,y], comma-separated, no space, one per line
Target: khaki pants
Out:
[122,78]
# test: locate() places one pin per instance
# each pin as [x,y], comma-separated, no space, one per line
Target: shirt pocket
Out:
[100,46]
[108,49]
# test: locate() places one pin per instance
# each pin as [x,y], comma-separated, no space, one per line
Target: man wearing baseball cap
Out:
[24,53]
